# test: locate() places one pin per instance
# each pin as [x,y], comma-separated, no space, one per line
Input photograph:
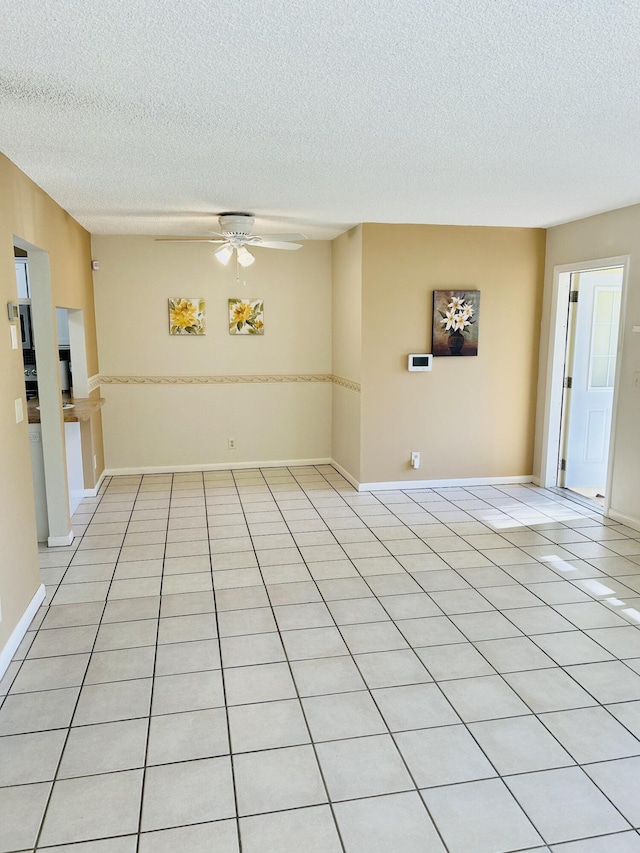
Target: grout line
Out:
[384,722]
[75,708]
[302,711]
[153,671]
[365,521]
[224,695]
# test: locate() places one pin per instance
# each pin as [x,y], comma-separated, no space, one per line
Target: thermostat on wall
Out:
[420,361]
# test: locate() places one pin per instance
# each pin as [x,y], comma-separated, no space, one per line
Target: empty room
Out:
[320,516]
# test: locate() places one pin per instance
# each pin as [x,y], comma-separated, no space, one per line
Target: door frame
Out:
[554,386]
[51,420]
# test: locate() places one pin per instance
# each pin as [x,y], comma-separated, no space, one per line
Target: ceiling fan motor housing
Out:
[235,225]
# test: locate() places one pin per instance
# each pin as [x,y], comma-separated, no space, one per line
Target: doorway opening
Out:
[588,382]
[42,387]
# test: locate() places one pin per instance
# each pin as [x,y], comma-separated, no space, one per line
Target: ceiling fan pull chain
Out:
[244,281]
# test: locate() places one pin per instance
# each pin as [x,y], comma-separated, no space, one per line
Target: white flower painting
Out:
[455,322]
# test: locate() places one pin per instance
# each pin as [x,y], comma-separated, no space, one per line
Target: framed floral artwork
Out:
[246,317]
[186,316]
[456,317]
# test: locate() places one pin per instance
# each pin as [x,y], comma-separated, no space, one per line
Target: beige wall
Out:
[345,430]
[176,424]
[346,305]
[346,347]
[598,237]
[169,426]
[29,214]
[470,417]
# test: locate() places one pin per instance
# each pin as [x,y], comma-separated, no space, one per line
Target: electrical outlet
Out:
[232,444]
[415,458]
[95,462]
[19,411]
[14,337]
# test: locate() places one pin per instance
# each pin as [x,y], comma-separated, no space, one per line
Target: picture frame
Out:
[186,316]
[246,316]
[456,321]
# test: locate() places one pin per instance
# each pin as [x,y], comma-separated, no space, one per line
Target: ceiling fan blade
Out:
[283,238]
[188,240]
[276,244]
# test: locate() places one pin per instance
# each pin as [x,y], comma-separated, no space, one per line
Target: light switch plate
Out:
[14,337]
[19,412]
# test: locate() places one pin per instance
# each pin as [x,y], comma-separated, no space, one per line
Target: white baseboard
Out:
[93,493]
[60,541]
[293,463]
[21,629]
[407,485]
[349,477]
[624,519]
[216,466]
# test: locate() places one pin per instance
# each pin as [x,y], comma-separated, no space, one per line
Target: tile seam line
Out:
[232,768]
[77,702]
[389,733]
[295,685]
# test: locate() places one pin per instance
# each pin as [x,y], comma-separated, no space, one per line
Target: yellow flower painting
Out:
[186,316]
[246,317]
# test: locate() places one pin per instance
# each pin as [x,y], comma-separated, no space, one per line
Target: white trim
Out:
[624,519]
[553,389]
[343,471]
[406,485]
[616,386]
[552,415]
[93,493]
[10,647]
[60,541]
[216,466]
[293,463]
[52,425]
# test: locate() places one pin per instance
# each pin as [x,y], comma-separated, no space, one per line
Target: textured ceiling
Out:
[148,116]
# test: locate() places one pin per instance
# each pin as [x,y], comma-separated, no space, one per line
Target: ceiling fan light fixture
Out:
[223,254]
[245,258]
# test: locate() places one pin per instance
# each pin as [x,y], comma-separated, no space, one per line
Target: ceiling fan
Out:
[235,235]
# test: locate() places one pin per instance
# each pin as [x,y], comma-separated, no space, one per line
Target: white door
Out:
[590,374]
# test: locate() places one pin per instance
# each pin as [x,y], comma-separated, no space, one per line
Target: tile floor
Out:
[268,661]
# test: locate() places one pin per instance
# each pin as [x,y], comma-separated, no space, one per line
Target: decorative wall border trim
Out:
[214,380]
[254,379]
[345,383]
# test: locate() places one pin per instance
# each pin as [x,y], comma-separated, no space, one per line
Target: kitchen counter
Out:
[83,409]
